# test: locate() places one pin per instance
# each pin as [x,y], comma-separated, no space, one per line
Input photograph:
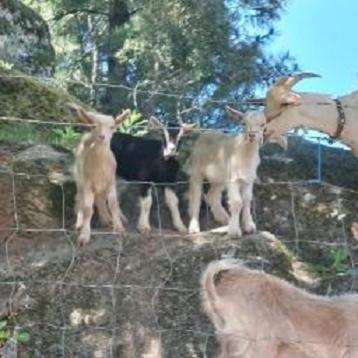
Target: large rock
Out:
[26,98]
[25,39]
[43,188]
[137,296]
[134,297]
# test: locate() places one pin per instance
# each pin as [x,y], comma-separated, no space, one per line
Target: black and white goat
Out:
[151,161]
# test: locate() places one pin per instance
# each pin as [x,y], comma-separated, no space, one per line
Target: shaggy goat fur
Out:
[94,172]
[257,315]
[226,162]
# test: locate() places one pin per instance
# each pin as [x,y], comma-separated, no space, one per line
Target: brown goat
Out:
[257,315]
[95,173]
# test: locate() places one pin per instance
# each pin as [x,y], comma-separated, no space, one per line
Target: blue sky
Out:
[323,37]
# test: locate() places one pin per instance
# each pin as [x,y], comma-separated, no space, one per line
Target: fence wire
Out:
[115,295]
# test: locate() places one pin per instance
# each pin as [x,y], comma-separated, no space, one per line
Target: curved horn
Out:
[290,81]
[154,122]
[83,115]
[235,113]
[260,101]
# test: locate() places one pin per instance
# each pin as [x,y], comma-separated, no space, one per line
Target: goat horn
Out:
[289,82]
[256,101]
[234,112]
[73,105]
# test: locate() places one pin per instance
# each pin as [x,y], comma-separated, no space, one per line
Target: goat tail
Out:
[210,296]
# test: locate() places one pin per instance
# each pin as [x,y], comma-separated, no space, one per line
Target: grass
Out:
[65,136]
[337,262]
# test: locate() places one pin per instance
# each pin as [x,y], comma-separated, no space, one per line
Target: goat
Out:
[354,230]
[257,315]
[95,173]
[286,110]
[151,161]
[226,162]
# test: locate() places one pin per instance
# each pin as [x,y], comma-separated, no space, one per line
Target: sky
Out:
[323,37]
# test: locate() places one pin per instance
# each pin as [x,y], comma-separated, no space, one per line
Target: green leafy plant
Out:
[6,334]
[65,136]
[134,124]
[6,65]
[340,261]
[337,262]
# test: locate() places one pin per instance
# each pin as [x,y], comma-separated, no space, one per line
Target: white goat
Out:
[286,110]
[94,172]
[227,162]
[354,229]
[257,315]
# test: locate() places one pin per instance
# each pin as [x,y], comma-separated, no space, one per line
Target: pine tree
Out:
[198,49]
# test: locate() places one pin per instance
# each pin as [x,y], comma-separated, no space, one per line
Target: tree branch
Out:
[78,11]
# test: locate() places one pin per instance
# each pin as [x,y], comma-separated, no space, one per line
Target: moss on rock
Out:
[25,97]
[26,41]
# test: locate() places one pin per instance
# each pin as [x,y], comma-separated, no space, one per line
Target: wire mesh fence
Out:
[139,296]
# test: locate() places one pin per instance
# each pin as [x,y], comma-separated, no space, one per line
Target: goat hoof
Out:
[83,240]
[145,230]
[234,233]
[119,230]
[250,228]
[182,230]
[194,228]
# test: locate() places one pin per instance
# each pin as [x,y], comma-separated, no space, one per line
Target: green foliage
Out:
[28,98]
[341,261]
[6,334]
[65,137]
[200,49]
[134,124]
[22,337]
[337,262]
[23,133]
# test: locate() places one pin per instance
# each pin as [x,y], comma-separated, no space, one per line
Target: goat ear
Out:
[120,118]
[188,127]
[154,122]
[291,98]
[81,113]
[237,115]
[86,117]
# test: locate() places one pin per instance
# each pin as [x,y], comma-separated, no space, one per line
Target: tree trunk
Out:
[118,16]
[94,60]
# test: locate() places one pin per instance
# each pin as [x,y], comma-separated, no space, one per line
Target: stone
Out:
[25,41]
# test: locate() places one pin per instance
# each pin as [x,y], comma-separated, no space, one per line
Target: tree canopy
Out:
[175,58]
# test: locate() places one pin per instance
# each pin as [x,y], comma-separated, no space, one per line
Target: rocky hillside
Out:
[137,296]
[25,39]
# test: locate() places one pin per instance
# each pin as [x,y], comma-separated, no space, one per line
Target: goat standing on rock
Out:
[227,162]
[151,161]
[95,173]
